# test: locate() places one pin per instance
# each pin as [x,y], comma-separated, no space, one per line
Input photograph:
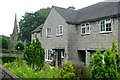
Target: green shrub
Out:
[7,59]
[81,71]
[67,71]
[6,51]
[34,54]
[97,70]
[19,46]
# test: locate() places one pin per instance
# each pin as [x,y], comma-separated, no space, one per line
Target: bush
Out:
[34,54]
[67,71]
[81,71]
[7,59]
[6,51]
[19,46]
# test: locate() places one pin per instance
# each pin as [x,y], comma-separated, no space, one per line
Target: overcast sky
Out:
[8,8]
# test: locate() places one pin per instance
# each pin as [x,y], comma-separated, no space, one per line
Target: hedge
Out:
[7,58]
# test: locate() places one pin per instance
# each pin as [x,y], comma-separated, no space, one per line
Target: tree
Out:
[108,69]
[5,41]
[67,71]
[34,54]
[19,46]
[97,70]
[110,64]
[31,21]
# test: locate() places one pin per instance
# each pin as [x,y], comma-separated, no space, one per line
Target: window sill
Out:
[105,32]
[48,36]
[48,60]
[85,34]
[59,35]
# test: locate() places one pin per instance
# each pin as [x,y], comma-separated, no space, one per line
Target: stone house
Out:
[74,35]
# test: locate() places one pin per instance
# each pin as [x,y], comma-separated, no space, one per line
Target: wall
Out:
[96,39]
[53,20]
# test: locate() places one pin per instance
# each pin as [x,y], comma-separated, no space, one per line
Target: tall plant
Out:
[34,54]
[110,65]
[97,70]
[105,67]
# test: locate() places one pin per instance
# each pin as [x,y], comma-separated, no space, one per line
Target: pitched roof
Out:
[96,11]
[67,14]
[38,29]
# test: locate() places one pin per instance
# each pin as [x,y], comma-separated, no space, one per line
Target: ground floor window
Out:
[48,56]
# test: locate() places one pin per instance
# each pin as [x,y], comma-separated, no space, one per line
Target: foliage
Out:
[22,70]
[19,46]
[8,58]
[31,21]
[114,50]
[5,41]
[34,54]
[108,67]
[67,71]
[97,70]
[6,51]
[81,71]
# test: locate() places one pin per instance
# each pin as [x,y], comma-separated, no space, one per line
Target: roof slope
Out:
[38,29]
[99,10]
[67,14]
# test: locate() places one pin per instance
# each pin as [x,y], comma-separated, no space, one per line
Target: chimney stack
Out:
[71,8]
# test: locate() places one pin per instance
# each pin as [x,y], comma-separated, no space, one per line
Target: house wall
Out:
[96,39]
[53,20]
[72,43]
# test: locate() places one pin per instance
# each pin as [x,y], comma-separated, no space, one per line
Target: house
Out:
[74,35]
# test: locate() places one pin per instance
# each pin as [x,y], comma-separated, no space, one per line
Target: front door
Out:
[59,57]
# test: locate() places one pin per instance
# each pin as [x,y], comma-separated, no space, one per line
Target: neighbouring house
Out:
[74,35]
[14,35]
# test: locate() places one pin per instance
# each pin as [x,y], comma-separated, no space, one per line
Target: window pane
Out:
[49,55]
[48,31]
[108,27]
[102,26]
[87,28]
[57,29]
[83,30]
[61,29]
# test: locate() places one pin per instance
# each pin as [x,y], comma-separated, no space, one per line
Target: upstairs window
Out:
[48,56]
[85,28]
[48,32]
[105,25]
[59,30]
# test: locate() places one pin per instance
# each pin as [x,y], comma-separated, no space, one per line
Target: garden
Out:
[31,65]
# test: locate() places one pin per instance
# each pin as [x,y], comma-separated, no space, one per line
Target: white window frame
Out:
[105,23]
[48,33]
[85,26]
[48,53]
[59,30]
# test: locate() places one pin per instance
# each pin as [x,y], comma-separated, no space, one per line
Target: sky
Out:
[8,8]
